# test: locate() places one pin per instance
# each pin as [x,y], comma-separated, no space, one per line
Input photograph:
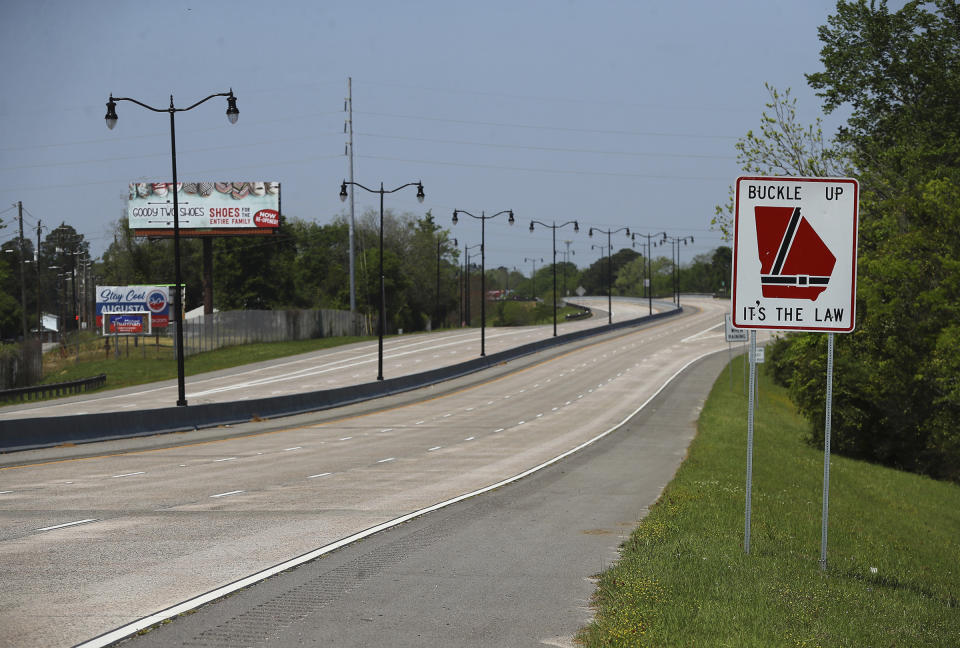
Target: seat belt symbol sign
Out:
[795,263]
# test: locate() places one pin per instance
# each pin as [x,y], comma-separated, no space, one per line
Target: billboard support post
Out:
[232,115]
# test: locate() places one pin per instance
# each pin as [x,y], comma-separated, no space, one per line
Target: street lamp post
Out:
[483,273]
[649,288]
[533,276]
[232,115]
[609,265]
[555,227]
[381,319]
[437,312]
[675,255]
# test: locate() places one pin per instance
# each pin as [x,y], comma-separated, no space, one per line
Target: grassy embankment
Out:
[148,363]
[893,575]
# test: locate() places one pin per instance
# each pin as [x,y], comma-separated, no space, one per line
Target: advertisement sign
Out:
[795,254]
[205,207]
[127,323]
[126,299]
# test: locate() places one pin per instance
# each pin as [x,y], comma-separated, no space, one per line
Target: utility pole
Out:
[566,260]
[23,279]
[39,314]
[348,127]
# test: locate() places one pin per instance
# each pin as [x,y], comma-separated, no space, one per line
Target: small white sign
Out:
[731,333]
[795,254]
[758,358]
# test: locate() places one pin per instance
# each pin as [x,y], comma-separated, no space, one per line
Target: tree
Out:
[784,147]
[896,396]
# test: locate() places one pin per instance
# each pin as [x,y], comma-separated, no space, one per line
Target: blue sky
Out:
[613,113]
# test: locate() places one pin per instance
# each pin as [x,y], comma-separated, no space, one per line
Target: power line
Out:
[550,149]
[535,170]
[552,128]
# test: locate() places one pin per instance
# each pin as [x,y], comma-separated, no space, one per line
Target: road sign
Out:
[731,333]
[795,254]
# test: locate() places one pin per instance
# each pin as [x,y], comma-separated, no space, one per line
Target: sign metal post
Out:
[826,455]
[750,401]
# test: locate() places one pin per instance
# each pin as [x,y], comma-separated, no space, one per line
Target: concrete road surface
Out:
[94,543]
[337,367]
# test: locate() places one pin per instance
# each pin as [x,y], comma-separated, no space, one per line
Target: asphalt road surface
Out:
[338,367]
[88,544]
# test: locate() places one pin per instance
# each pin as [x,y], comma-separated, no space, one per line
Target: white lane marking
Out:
[237,492]
[318,475]
[521,422]
[191,604]
[554,409]
[68,524]
[386,460]
[498,430]
[540,414]
[467,439]
[469,409]
[346,438]
[142,472]
[387,430]
[227,459]
[345,363]
[448,415]
[419,422]
[5,492]
[567,403]
[293,448]
[434,448]
[696,335]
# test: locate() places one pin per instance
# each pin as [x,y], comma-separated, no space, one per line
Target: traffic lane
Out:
[87,484]
[326,369]
[512,567]
[221,525]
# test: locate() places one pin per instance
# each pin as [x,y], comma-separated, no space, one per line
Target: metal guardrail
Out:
[36,392]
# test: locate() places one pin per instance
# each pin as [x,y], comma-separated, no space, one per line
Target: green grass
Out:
[138,365]
[684,579]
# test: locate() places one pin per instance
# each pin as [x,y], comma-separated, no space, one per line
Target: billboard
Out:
[205,208]
[126,323]
[130,299]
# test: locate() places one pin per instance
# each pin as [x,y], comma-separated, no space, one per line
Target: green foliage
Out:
[896,399]
[684,580]
[784,147]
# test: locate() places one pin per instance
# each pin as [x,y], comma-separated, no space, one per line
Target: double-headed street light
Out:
[555,227]
[483,274]
[609,265]
[381,319]
[649,278]
[675,252]
[232,115]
